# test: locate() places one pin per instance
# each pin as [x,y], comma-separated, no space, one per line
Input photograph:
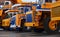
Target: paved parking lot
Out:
[25,34]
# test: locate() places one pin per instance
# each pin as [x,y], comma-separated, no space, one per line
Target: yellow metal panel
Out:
[55,18]
[55,12]
[18,19]
[56,4]
[19,1]
[46,5]
[12,11]
[6,22]
[29,23]
[50,5]
[7,6]
[36,24]
[1,11]
[29,12]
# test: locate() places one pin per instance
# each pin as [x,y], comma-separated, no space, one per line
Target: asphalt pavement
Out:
[26,34]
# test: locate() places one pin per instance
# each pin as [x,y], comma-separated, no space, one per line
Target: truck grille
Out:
[56,12]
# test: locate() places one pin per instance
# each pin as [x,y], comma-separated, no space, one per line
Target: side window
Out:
[10,14]
[48,0]
[41,2]
[13,13]
[7,3]
[7,16]
[16,12]
[26,9]
[21,10]
[57,0]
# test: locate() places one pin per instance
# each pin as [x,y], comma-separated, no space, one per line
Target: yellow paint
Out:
[7,6]
[18,19]
[1,11]
[55,18]
[6,22]
[54,15]
[46,5]
[12,11]
[29,24]
[19,1]
[50,5]
[54,12]
[56,4]
[30,12]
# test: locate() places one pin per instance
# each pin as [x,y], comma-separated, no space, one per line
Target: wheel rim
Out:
[53,25]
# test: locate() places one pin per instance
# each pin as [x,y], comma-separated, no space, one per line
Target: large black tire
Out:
[22,24]
[46,27]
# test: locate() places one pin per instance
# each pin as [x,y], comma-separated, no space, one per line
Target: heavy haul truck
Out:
[49,18]
[52,25]
[4,17]
[51,22]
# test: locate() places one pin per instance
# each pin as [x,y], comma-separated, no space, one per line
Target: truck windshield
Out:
[6,3]
[48,0]
[12,14]
[6,16]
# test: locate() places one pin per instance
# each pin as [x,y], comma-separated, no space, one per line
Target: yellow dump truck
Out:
[49,19]
[50,16]
[4,19]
